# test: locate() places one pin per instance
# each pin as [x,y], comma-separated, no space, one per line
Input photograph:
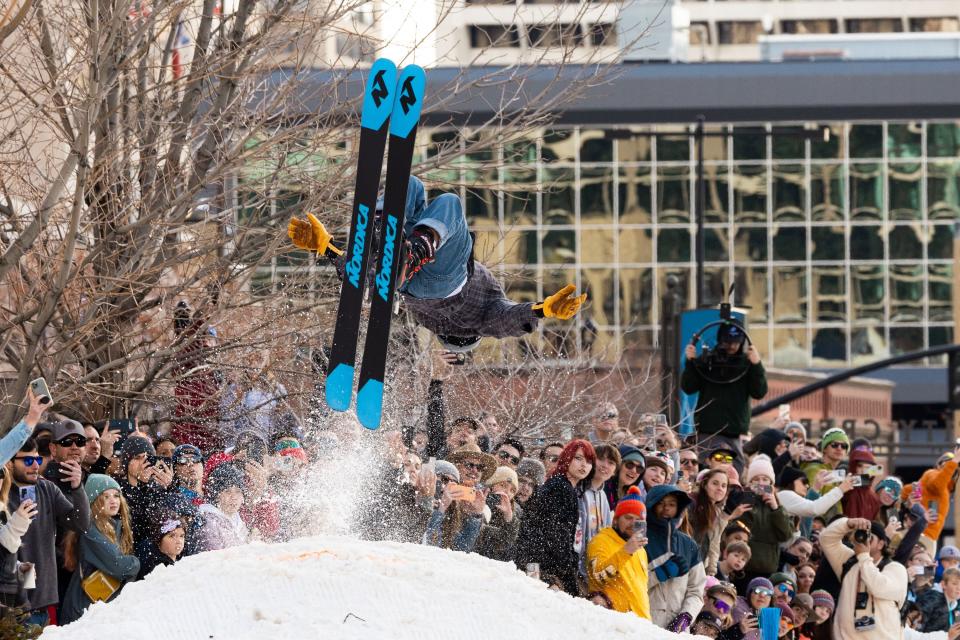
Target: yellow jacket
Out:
[621,576]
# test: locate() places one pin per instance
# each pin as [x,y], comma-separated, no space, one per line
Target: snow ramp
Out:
[333,587]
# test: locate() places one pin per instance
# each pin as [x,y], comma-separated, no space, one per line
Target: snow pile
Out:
[335,587]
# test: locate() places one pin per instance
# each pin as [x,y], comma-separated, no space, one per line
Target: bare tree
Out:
[152,153]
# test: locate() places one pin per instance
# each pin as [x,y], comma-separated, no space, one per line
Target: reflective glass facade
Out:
[841,246]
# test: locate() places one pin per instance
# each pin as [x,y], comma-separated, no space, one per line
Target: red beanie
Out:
[631,503]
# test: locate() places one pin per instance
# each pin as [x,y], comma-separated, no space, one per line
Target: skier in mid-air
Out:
[448,292]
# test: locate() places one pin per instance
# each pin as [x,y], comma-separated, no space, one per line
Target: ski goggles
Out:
[763,591]
[725,458]
[720,605]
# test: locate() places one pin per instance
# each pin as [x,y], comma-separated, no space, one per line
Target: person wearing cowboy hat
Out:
[460,513]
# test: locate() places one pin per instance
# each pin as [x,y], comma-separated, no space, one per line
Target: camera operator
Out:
[723,410]
[873,587]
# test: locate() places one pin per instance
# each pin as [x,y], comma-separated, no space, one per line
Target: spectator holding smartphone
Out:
[145,483]
[458,515]
[13,574]
[616,558]
[12,441]
[54,509]
[769,522]
[746,613]
[67,448]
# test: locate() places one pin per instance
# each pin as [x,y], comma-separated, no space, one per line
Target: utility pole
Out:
[952,364]
[700,204]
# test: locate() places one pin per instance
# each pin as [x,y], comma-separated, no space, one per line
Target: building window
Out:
[699,33]
[355,47]
[738,31]
[555,35]
[935,24]
[874,25]
[603,35]
[808,26]
[493,35]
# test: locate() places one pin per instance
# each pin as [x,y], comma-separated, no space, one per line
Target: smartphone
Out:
[748,498]
[41,390]
[784,412]
[152,460]
[123,426]
[640,528]
[838,476]
[462,492]
[857,481]
[873,470]
[28,493]
[930,572]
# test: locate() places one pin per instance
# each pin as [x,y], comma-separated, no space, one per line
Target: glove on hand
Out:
[310,234]
[560,305]
[419,250]
[681,623]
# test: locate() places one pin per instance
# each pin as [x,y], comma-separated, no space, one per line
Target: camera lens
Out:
[860,536]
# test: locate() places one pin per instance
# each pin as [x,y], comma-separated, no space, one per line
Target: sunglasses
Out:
[785,588]
[187,459]
[29,461]
[762,591]
[609,416]
[722,457]
[73,441]
[476,466]
[720,605]
[689,461]
[552,458]
[839,445]
[503,455]
[631,465]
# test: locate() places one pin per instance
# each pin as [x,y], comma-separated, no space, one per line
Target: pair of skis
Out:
[389,104]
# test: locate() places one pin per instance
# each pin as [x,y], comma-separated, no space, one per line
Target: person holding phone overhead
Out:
[54,510]
[15,438]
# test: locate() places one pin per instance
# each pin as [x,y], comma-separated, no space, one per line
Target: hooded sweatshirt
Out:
[676,574]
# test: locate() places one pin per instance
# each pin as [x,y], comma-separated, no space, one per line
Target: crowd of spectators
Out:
[692,537]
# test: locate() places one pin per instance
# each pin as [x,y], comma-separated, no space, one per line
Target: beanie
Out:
[290,447]
[504,474]
[788,476]
[861,456]
[833,435]
[792,426]
[97,483]
[759,583]
[532,470]
[892,484]
[631,453]
[779,578]
[225,476]
[879,531]
[761,466]
[444,468]
[134,446]
[823,598]
[787,612]
[631,503]
[765,442]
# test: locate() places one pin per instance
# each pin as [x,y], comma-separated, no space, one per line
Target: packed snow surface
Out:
[334,587]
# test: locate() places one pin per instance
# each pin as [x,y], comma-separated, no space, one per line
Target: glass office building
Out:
[839,243]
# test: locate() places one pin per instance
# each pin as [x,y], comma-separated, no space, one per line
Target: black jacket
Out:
[548,529]
[145,500]
[724,408]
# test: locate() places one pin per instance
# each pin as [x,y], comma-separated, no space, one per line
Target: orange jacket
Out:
[935,486]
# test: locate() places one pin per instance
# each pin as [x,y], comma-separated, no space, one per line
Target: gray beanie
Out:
[134,446]
[444,468]
[532,470]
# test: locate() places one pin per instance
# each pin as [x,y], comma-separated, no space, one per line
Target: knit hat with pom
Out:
[631,503]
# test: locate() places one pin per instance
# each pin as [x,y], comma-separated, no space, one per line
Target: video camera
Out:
[722,364]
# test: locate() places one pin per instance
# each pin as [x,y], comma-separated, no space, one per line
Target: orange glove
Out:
[560,305]
[310,234]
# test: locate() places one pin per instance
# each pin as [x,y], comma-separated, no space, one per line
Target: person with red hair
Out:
[549,524]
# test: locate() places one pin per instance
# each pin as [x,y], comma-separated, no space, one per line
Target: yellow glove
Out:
[310,234]
[560,305]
